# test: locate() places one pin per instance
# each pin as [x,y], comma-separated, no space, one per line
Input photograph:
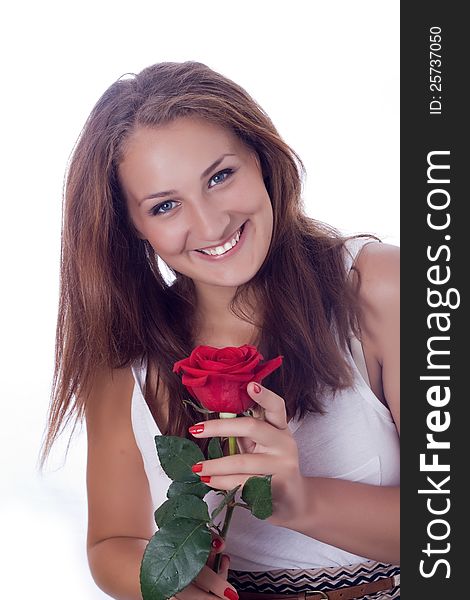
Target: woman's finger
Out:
[257,430]
[228,482]
[216,583]
[245,445]
[224,566]
[274,406]
[209,585]
[242,464]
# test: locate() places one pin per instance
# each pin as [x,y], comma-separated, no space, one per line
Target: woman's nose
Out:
[207,224]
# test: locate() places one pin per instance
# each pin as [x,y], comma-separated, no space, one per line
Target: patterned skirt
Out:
[285,581]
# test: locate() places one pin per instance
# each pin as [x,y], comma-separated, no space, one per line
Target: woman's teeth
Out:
[219,250]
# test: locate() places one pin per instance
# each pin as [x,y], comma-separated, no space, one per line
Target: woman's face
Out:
[196,193]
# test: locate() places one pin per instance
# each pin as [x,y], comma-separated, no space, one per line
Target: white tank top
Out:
[356,439]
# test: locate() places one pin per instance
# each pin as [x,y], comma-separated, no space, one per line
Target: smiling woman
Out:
[215,225]
[179,164]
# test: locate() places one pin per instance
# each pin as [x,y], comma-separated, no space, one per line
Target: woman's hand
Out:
[267,448]
[208,584]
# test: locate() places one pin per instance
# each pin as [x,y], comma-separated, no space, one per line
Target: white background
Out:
[327,76]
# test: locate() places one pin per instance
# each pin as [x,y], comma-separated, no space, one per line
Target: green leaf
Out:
[229,496]
[214,449]
[177,455]
[195,488]
[182,506]
[173,558]
[257,494]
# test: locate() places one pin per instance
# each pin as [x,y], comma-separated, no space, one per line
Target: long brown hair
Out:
[115,305]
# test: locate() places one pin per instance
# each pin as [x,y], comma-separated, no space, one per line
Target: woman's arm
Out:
[120,510]
[357,517]
[362,518]
[119,505]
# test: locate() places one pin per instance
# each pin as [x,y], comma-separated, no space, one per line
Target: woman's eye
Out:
[168,205]
[162,208]
[220,177]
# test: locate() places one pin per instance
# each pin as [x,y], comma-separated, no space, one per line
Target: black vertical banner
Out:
[435,237]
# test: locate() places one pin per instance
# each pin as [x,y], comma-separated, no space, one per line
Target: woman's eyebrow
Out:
[214,165]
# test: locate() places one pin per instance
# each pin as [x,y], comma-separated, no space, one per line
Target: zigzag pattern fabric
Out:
[282,581]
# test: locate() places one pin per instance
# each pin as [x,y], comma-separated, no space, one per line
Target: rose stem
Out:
[223,535]
[232,449]
[232,441]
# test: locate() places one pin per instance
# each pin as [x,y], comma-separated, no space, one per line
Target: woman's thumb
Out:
[224,566]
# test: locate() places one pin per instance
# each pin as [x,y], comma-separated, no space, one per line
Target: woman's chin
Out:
[234,282]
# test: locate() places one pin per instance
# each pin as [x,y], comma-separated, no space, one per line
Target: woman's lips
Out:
[227,253]
[229,239]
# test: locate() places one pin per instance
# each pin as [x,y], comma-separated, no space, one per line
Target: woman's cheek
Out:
[167,242]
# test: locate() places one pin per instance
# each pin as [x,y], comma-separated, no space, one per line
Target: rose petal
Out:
[231,353]
[237,377]
[194,381]
[211,365]
[180,364]
[267,368]
[195,372]
[249,365]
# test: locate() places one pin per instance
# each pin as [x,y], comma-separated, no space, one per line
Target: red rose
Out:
[218,377]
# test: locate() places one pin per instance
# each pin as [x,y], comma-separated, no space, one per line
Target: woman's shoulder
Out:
[378,267]
[110,380]
[109,391]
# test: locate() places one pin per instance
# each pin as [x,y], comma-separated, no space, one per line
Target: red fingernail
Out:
[217,543]
[199,428]
[196,468]
[205,478]
[230,594]
[256,388]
